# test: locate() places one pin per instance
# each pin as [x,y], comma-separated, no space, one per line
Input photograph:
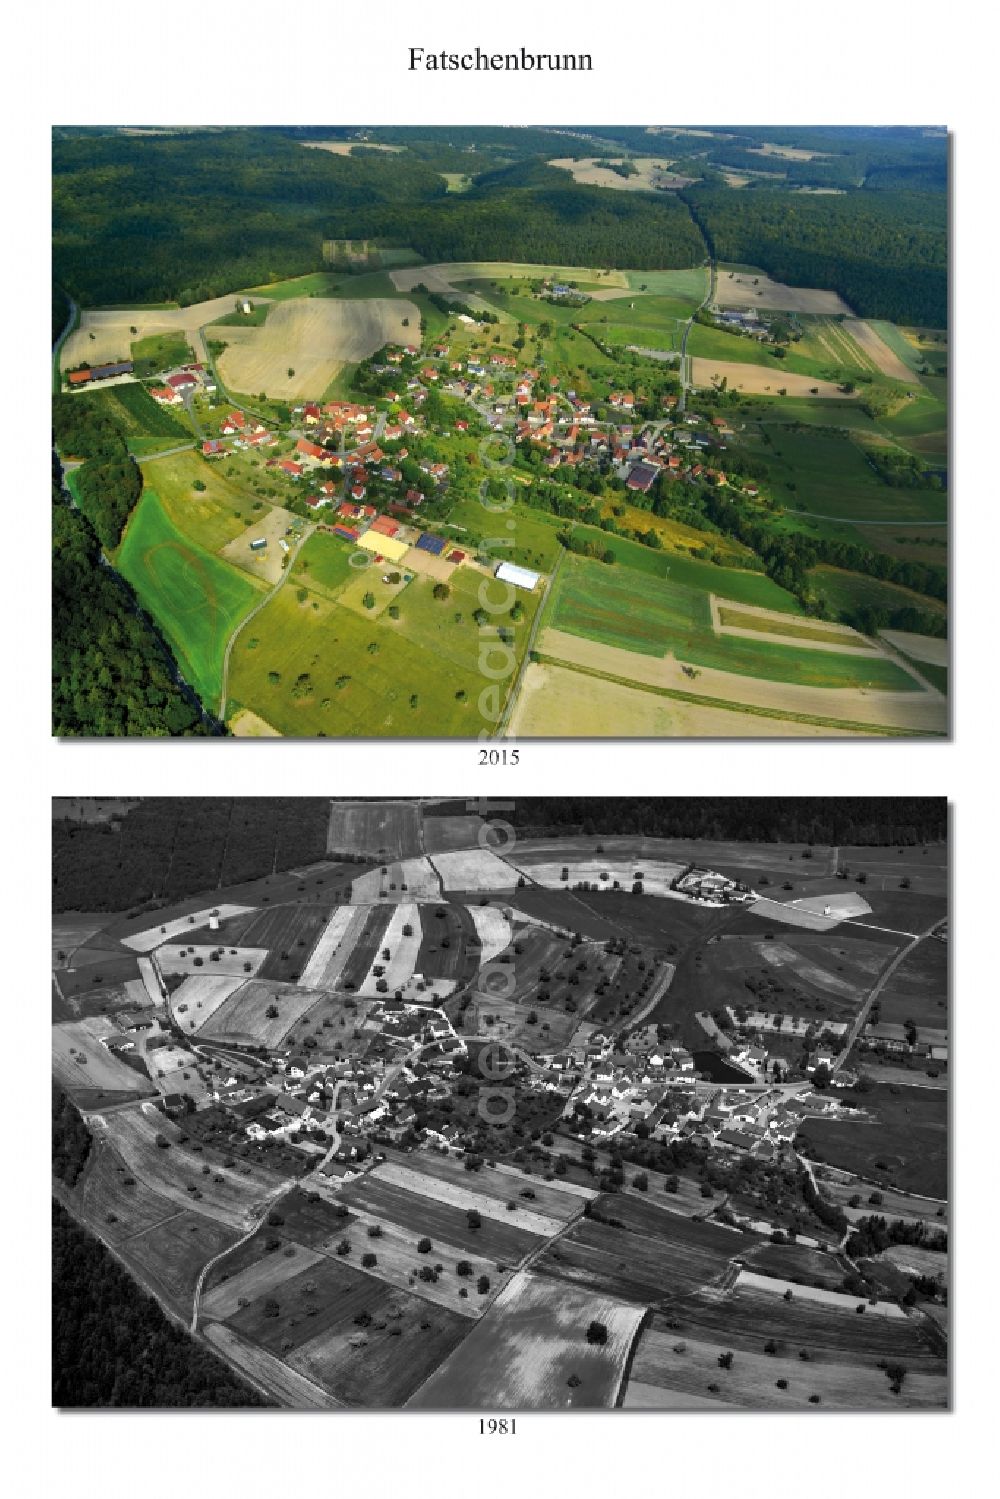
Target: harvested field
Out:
[927,648]
[380,1366]
[232,962]
[878,351]
[744,289]
[171,1171]
[145,941]
[903,1144]
[247,725]
[447,277]
[266,564]
[313,337]
[333,948]
[82,1064]
[418,1215]
[474,869]
[818,913]
[199,997]
[112,336]
[652,173]
[174,1252]
[105,1195]
[243,1017]
[871,701]
[500,1184]
[760,380]
[654,1256]
[465,1195]
[670,1372]
[557,702]
[407,879]
[379,829]
[398,968]
[284,1385]
[493,930]
[524,1351]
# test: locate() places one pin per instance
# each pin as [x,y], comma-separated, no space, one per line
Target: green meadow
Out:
[827,474]
[313,667]
[658,617]
[196,599]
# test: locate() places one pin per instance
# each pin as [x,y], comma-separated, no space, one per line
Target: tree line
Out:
[853,820]
[885,253]
[169,847]
[113,1346]
[112,672]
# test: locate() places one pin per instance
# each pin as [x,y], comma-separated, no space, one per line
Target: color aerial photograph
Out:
[500,432]
[595,1104]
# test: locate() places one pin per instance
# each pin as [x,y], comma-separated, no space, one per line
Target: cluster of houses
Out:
[183,382]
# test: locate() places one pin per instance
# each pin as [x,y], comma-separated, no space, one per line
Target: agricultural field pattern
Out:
[661,487]
[583,1109]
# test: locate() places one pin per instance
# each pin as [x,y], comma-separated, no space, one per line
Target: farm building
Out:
[384,546]
[129,1022]
[518,577]
[165,395]
[100,372]
[213,448]
[384,526]
[183,381]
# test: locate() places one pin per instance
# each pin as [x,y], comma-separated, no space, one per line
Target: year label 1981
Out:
[497,1426]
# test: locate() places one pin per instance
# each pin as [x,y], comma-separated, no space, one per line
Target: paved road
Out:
[272,1201]
[501,728]
[685,384]
[293,553]
[880,983]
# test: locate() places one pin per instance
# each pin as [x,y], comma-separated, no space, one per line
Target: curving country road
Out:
[685,383]
[292,554]
[880,983]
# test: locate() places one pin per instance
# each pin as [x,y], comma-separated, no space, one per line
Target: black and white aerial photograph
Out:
[550,1105]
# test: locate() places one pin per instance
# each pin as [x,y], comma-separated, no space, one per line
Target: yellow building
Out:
[385,546]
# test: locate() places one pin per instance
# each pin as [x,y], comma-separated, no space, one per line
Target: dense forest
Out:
[885,253]
[71,1140]
[148,219]
[112,1346]
[112,673]
[169,847]
[869,820]
[186,216]
[108,483]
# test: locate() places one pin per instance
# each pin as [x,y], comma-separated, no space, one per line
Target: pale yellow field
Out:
[557,702]
[446,277]
[652,172]
[882,356]
[738,289]
[757,379]
[247,725]
[344,148]
[786,153]
[314,337]
[925,710]
[113,336]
